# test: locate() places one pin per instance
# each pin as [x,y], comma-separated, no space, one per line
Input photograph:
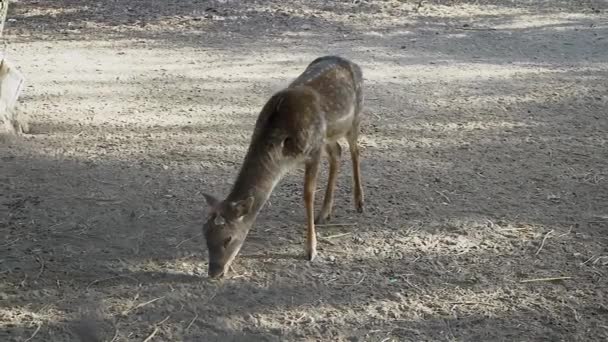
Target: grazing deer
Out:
[294,127]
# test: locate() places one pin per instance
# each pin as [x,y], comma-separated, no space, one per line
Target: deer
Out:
[296,127]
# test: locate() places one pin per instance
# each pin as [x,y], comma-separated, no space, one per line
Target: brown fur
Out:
[294,127]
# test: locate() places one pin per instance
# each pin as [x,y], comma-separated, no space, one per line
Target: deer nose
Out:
[215,270]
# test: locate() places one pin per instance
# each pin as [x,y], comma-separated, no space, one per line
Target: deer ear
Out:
[211,201]
[243,207]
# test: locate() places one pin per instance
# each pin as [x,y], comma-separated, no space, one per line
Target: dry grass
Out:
[483,160]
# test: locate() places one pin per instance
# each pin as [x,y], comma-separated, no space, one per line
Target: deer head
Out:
[225,230]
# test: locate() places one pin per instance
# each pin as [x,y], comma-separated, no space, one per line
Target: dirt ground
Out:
[485,170]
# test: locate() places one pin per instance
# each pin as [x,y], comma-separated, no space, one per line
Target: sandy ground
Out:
[485,166]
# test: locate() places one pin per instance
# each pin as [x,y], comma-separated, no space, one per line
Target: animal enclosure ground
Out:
[484,163]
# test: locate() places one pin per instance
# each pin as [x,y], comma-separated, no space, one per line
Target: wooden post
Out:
[11,83]
[3,13]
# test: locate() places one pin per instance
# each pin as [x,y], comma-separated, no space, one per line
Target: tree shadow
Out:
[417,37]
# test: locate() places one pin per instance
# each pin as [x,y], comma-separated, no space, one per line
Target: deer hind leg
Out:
[353,144]
[334,154]
[310,183]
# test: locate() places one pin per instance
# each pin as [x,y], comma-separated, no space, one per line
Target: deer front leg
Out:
[310,183]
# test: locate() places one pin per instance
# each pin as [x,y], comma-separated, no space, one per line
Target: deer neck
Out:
[258,176]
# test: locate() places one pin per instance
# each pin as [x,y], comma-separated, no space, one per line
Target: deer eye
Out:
[287,143]
[227,241]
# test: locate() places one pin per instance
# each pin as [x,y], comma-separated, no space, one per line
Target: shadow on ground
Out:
[483,168]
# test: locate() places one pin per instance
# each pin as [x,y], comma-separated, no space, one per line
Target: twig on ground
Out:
[566,233]
[542,244]
[22,283]
[596,222]
[148,302]
[103,181]
[34,334]
[599,258]
[99,199]
[331,280]
[444,196]
[214,294]
[573,152]
[188,239]
[593,256]
[156,329]
[348,39]
[110,278]
[301,318]
[357,283]
[335,236]
[326,241]
[337,224]
[535,280]
[10,242]
[476,28]
[333,250]
[115,334]
[472,303]
[151,335]
[164,320]
[192,321]
[41,261]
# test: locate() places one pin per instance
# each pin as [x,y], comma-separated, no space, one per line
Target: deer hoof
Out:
[359,207]
[322,219]
[311,254]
